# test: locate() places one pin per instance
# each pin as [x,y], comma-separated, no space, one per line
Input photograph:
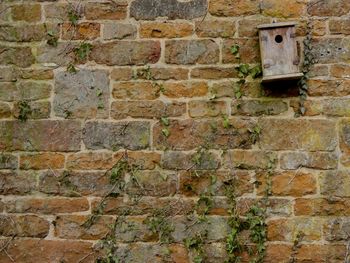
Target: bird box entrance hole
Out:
[279,52]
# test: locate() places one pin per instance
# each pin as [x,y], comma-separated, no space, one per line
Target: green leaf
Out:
[235,49]
[165,121]
[166,132]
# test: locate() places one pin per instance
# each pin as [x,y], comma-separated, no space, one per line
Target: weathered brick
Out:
[172,9]
[84,94]
[227,89]
[288,229]
[319,70]
[26,12]
[194,133]
[248,50]
[8,74]
[277,206]
[335,183]
[196,183]
[47,205]
[152,252]
[25,90]
[134,229]
[278,253]
[142,160]
[115,10]
[337,229]
[213,72]
[59,11]
[185,89]
[73,184]
[160,73]
[229,8]
[127,135]
[340,70]
[41,73]
[249,27]
[153,183]
[258,107]
[249,159]
[215,28]
[200,108]
[119,31]
[38,161]
[329,8]
[18,56]
[284,134]
[25,33]
[39,250]
[334,88]
[61,55]
[40,135]
[337,26]
[146,205]
[133,53]
[145,90]
[165,30]
[5,110]
[176,160]
[146,109]
[13,183]
[121,73]
[38,110]
[191,51]
[285,9]
[331,50]
[288,183]
[344,142]
[217,228]
[23,226]
[72,227]
[90,161]
[81,31]
[314,160]
[322,207]
[8,161]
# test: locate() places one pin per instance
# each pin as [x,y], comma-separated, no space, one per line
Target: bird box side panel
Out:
[279,53]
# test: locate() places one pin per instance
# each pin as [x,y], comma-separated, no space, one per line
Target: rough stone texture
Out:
[259,107]
[18,56]
[40,135]
[315,160]
[194,133]
[345,142]
[191,52]
[114,136]
[47,206]
[335,183]
[298,135]
[156,132]
[42,161]
[82,95]
[115,10]
[146,109]
[166,30]
[126,53]
[119,31]
[237,8]
[172,9]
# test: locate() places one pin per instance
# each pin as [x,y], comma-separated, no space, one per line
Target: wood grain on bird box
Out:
[279,52]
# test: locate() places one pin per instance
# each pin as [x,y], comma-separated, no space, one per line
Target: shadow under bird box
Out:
[279,52]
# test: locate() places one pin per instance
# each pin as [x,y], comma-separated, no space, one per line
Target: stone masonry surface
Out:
[155,82]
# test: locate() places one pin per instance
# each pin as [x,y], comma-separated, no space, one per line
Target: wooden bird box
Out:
[279,52]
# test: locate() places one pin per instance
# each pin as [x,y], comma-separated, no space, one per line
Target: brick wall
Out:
[155,92]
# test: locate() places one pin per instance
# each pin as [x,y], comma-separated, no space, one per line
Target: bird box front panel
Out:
[279,51]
